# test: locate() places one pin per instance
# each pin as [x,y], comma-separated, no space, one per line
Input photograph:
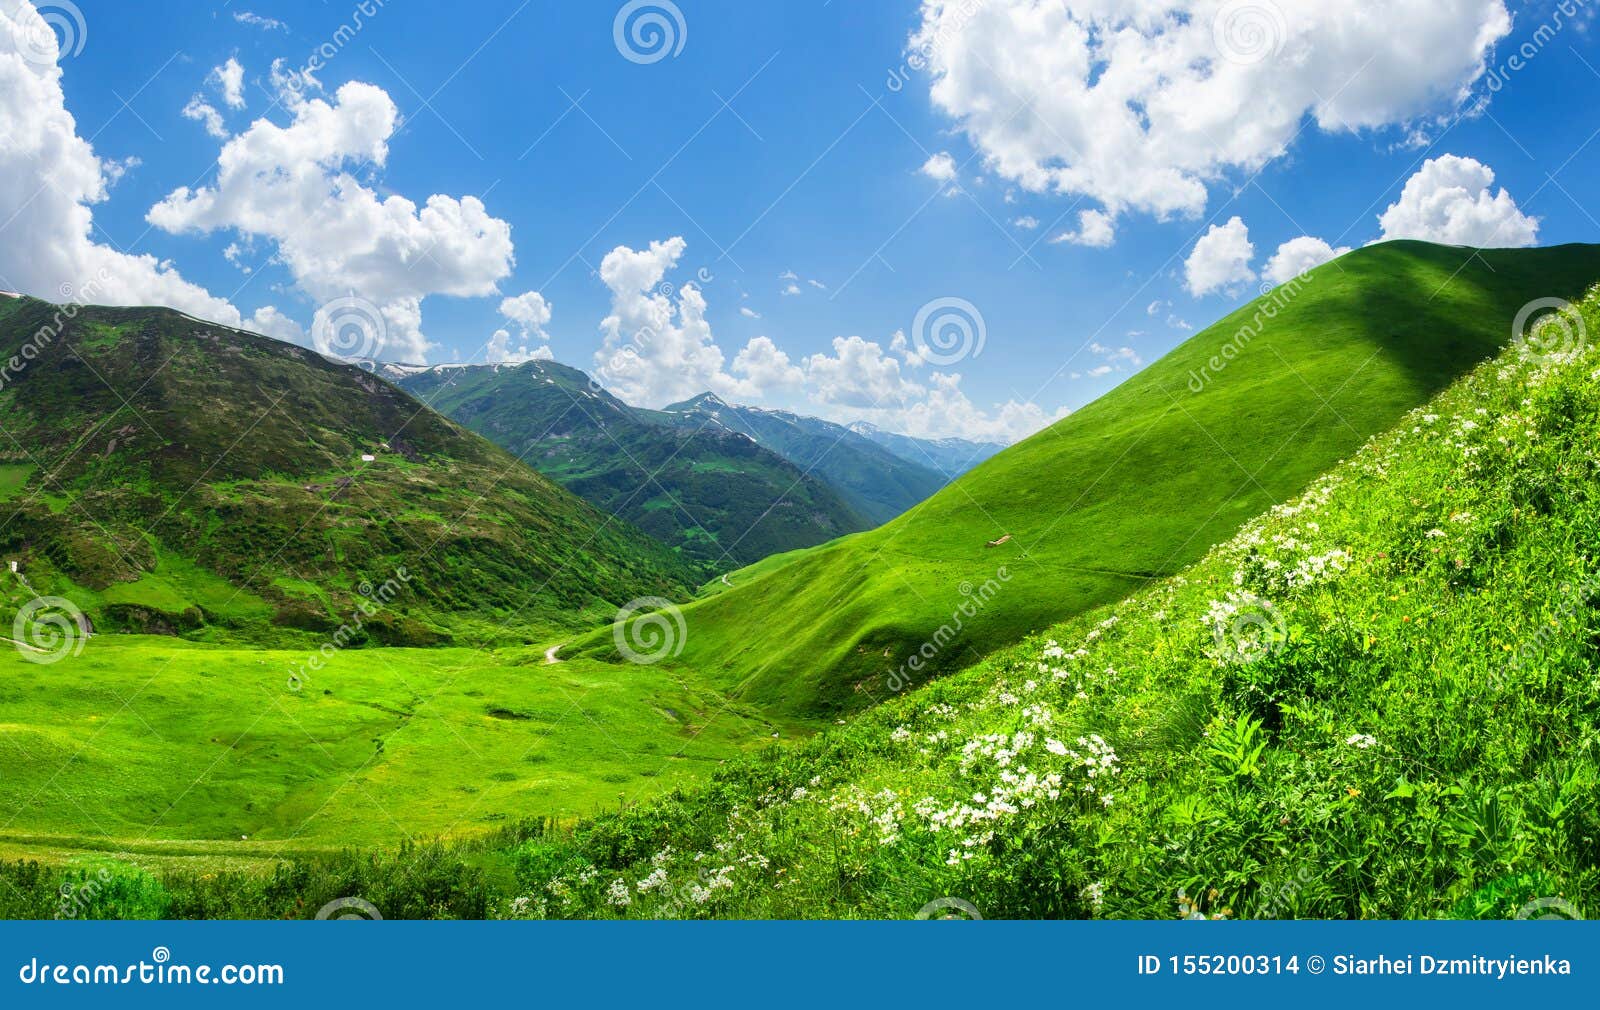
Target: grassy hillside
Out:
[174,476]
[877,483]
[713,494]
[1128,490]
[1377,700]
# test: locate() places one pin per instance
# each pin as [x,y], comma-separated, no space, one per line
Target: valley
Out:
[247,754]
[299,615]
[824,464]
[717,497]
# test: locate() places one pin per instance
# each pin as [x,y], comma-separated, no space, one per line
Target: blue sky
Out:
[797,139]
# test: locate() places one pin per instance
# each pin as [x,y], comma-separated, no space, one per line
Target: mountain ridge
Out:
[951,456]
[1130,488]
[877,483]
[712,494]
[178,476]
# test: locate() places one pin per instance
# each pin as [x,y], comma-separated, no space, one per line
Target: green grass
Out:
[148,745]
[1412,733]
[187,474]
[1398,722]
[1130,489]
[12,477]
[177,585]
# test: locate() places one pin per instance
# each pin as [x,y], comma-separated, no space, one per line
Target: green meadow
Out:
[142,742]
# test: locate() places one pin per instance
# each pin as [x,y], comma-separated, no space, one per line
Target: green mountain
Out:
[876,482]
[1132,488]
[712,493]
[950,456]
[1375,701]
[172,475]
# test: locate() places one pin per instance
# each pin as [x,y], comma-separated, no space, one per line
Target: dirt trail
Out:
[550,655]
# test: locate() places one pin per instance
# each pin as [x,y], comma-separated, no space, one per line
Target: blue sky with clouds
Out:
[1076,183]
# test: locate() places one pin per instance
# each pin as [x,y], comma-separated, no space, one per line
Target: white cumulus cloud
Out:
[764,368]
[657,345]
[1220,260]
[229,81]
[940,167]
[658,348]
[297,187]
[1096,230]
[529,311]
[860,382]
[530,314]
[947,411]
[206,114]
[859,374]
[898,344]
[1143,104]
[1297,256]
[1448,200]
[499,350]
[50,180]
